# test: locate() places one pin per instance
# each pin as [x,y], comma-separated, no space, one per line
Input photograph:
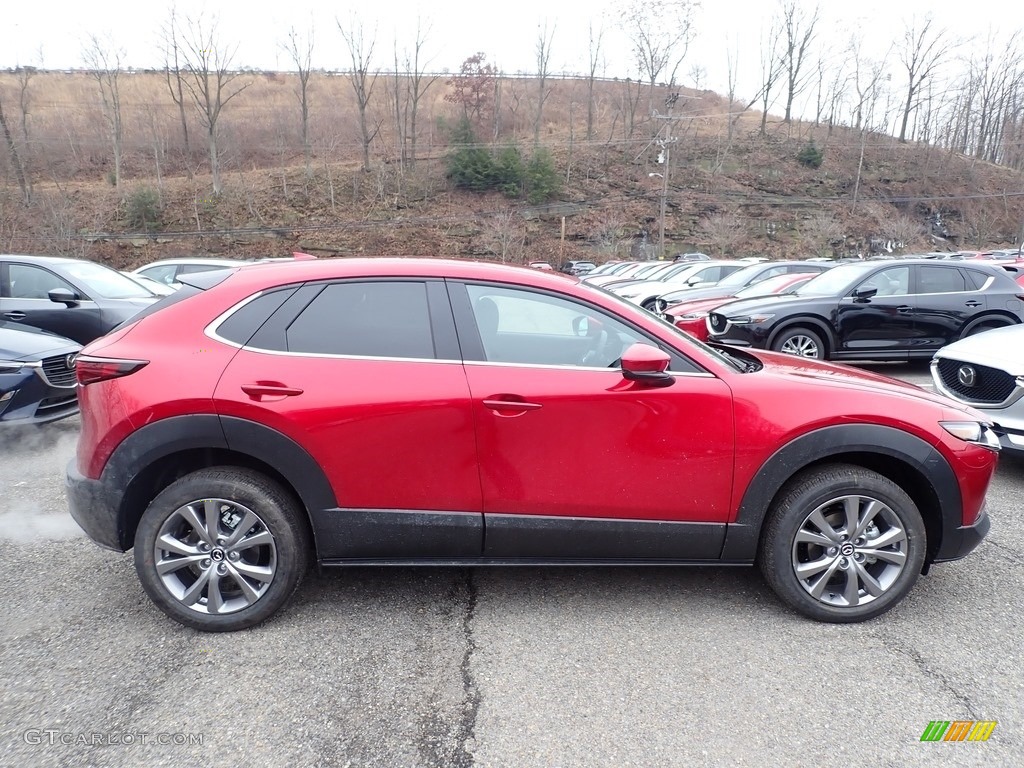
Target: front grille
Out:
[990,385]
[717,323]
[58,373]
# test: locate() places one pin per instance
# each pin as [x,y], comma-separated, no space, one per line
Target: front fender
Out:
[743,535]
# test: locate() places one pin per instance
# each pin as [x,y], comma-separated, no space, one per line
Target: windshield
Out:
[773,285]
[646,269]
[105,282]
[740,277]
[835,281]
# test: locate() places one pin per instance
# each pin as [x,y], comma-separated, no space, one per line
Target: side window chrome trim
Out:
[211,329]
[330,356]
[548,366]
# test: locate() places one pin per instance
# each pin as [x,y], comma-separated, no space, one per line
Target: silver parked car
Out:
[986,370]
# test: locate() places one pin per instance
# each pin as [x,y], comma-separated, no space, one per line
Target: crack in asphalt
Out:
[471,693]
[1003,548]
[937,677]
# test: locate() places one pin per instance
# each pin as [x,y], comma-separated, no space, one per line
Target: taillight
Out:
[89,369]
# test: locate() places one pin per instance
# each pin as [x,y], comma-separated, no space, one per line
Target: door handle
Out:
[904,308]
[14,315]
[260,390]
[972,303]
[509,403]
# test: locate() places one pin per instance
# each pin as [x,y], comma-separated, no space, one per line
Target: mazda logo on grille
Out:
[967,376]
[69,361]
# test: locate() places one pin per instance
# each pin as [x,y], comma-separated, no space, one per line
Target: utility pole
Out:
[665,159]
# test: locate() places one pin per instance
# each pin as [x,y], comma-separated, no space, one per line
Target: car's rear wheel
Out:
[842,544]
[986,325]
[801,342]
[222,549]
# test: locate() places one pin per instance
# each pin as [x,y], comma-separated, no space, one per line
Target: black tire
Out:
[259,575]
[651,305]
[987,324]
[894,514]
[793,339]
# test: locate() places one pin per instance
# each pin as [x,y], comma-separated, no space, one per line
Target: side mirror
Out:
[863,294]
[63,296]
[646,365]
[694,280]
[585,326]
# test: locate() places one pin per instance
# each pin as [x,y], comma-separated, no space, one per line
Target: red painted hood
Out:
[803,369]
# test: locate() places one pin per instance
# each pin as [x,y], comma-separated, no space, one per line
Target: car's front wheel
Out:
[801,342]
[842,544]
[222,549]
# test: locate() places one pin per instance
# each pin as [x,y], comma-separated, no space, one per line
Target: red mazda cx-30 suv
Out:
[433,412]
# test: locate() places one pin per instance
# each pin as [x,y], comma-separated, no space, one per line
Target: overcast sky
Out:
[506,32]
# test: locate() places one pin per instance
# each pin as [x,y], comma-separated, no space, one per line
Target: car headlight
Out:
[693,316]
[10,366]
[750,319]
[972,432]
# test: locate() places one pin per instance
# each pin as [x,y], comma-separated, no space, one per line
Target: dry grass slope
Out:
[747,195]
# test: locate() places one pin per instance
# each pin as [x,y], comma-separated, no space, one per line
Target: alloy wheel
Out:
[849,551]
[215,556]
[801,346]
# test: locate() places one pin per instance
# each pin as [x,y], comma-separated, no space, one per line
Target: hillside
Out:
[746,196]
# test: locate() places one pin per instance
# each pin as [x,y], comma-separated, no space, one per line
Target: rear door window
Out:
[365,319]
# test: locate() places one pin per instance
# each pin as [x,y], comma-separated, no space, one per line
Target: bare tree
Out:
[504,235]
[300,50]
[698,76]
[771,68]
[19,169]
[594,60]
[723,230]
[798,31]
[868,96]
[174,76]
[543,52]
[922,51]
[209,80]
[738,108]
[822,232]
[906,232]
[417,85]
[360,49]
[660,32]
[103,58]
[24,76]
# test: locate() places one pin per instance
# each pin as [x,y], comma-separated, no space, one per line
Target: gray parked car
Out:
[80,300]
[987,371]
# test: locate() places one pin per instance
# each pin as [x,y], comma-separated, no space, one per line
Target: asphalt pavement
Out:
[494,666]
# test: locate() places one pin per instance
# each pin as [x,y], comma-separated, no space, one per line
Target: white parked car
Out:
[158,289]
[986,371]
[702,273]
[166,271]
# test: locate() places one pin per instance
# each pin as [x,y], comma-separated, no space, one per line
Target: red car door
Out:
[576,461]
[365,376]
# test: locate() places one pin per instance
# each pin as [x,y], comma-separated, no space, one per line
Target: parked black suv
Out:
[80,300]
[875,310]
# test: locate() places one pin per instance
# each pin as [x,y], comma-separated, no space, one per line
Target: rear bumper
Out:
[961,541]
[94,506]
